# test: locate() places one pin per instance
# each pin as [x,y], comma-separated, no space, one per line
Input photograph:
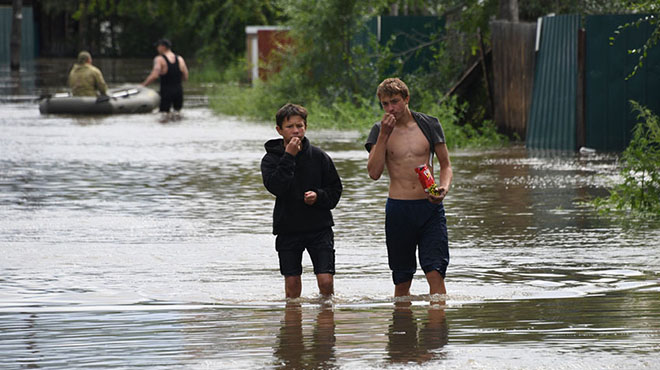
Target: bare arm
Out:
[446,173]
[155,72]
[376,162]
[184,69]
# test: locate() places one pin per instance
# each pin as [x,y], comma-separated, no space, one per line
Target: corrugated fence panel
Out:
[608,116]
[408,33]
[513,73]
[552,123]
[28,42]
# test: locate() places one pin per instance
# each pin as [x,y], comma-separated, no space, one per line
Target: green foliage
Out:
[482,134]
[358,113]
[530,10]
[640,169]
[643,6]
[205,29]
[209,74]
[325,58]
[259,104]
[334,66]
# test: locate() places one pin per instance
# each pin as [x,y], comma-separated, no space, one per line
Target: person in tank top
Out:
[172,71]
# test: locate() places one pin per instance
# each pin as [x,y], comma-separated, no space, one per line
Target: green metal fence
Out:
[552,122]
[28,37]
[608,118]
[409,37]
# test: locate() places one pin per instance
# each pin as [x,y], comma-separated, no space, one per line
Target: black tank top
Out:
[173,75]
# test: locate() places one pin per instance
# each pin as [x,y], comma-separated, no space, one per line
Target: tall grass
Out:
[229,94]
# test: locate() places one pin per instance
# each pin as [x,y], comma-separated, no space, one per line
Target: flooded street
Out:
[125,243]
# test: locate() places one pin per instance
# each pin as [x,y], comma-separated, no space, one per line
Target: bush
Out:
[261,102]
[335,77]
[639,192]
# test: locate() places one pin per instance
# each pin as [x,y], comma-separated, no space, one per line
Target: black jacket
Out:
[288,178]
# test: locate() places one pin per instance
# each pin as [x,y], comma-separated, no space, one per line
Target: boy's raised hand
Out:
[294,146]
[387,123]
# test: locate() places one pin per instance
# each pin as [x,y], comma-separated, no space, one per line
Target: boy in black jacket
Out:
[306,185]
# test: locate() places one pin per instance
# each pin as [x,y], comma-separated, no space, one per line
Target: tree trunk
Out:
[508,10]
[394,9]
[82,27]
[16,20]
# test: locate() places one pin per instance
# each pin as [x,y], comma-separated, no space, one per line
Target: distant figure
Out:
[307,187]
[172,70]
[85,79]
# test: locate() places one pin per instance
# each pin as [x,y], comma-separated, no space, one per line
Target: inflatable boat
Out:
[127,99]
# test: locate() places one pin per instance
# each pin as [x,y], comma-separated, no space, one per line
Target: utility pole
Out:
[508,10]
[15,43]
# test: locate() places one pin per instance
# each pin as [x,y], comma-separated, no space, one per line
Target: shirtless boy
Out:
[414,219]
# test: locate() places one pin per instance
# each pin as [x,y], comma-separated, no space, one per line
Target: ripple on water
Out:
[124,242]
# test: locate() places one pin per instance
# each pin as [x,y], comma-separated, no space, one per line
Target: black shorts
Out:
[171,96]
[412,225]
[319,244]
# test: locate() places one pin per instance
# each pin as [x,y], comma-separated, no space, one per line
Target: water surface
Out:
[127,243]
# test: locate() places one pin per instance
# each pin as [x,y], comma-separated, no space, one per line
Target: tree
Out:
[326,57]
[16,20]
[206,29]
[508,10]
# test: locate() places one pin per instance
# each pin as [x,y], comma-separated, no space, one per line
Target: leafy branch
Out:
[642,51]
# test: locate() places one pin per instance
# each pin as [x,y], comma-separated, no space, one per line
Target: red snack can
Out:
[425,176]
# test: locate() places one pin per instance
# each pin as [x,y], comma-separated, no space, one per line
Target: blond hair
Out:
[391,87]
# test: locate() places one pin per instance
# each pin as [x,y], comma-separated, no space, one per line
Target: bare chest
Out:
[407,143]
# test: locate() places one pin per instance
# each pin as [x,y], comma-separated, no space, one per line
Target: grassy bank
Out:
[228,96]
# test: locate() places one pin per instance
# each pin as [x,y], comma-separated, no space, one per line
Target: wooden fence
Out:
[514,60]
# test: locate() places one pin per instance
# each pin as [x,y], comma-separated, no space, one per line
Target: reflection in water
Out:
[127,243]
[408,343]
[31,343]
[292,351]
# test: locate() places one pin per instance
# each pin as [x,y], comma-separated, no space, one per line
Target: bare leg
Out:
[436,285]
[176,115]
[292,286]
[326,284]
[402,289]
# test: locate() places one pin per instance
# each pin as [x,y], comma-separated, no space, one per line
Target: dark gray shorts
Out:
[319,244]
[413,224]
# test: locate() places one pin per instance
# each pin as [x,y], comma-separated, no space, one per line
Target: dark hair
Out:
[289,110]
[391,87]
[164,42]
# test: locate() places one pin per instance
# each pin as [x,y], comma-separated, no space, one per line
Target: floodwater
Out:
[127,243]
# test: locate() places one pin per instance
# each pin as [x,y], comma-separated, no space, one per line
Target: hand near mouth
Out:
[294,146]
